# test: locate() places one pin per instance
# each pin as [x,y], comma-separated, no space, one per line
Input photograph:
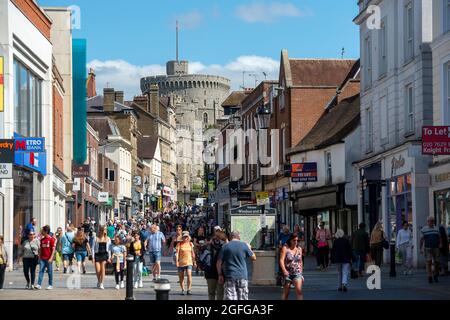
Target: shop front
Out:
[325,204]
[440,194]
[395,188]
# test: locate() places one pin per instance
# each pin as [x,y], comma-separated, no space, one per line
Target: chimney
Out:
[91,87]
[141,101]
[119,97]
[108,99]
[154,100]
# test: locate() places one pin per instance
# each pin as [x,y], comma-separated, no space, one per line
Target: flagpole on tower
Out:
[177,40]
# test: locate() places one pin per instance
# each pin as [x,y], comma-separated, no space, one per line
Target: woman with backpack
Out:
[67,249]
[208,264]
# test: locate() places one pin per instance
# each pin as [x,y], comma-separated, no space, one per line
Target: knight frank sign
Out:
[436,140]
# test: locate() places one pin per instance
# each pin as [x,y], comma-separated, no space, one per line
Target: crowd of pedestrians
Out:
[196,245]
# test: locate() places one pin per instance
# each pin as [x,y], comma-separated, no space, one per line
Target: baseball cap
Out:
[185,234]
[217,228]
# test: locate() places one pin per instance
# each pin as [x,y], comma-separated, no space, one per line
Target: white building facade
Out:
[396,102]
[439,195]
[27,52]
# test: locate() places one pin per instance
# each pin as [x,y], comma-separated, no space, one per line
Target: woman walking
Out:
[185,259]
[118,254]
[291,265]
[81,249]
[3,262]
[342,253]
[323,235]
[404,246]
[376,243]
[30,255]
[102,254]
[137,249]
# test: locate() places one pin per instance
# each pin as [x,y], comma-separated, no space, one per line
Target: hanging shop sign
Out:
[262,198]
[81,171]
[7,152]
[103,197]
[304,172]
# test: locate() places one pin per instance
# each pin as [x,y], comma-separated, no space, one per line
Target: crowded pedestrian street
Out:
[318,286]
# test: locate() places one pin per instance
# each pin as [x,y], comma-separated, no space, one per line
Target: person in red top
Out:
[323,235]
[46,255]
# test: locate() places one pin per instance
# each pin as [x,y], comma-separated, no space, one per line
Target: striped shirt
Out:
[431,237]
[154,241]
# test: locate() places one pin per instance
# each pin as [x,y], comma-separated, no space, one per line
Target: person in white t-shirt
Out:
[405,246]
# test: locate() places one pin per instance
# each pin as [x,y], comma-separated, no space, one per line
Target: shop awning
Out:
[317,202]
[316,199]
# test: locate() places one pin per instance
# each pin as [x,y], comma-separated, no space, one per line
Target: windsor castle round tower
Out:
[198,104]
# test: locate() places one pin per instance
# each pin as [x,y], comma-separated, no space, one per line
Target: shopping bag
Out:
[398,257]
[354,274]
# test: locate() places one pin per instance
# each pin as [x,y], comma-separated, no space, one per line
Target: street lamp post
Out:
[184,195]
[262,121]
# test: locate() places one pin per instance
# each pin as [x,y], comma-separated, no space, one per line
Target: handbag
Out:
[385,244]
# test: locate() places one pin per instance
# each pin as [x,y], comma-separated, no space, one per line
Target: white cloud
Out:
[190,20]
[267,12]
[122,75]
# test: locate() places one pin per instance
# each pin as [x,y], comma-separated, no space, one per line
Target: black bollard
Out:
[393,273]
[162,289]
[130,267]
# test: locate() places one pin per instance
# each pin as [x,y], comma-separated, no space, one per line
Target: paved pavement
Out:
[318,286]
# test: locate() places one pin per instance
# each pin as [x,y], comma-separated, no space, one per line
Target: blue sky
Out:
[129,39]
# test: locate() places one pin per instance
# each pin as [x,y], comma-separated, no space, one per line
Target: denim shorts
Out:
[68,257]
[81,256]
[155,256]
[294,278]
[186,268]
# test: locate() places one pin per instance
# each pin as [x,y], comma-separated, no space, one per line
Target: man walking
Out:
[232,267]
[431,238]
[46,255]
[155,241]
[360,245]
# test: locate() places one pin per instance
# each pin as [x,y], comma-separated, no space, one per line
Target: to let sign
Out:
[436,140]
[304,172]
